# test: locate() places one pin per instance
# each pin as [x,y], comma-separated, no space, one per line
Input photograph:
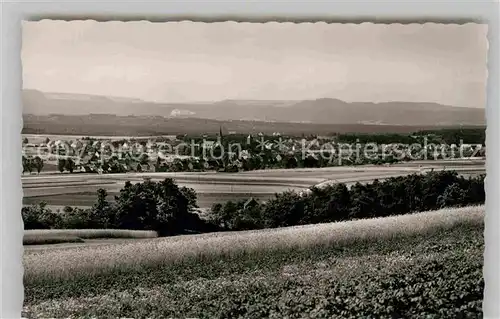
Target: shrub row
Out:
[163,207]
[440,136]
[394,196]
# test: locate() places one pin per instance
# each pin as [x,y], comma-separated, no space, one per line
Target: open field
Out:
[49,239]
[80,189]
[111,124]
[40,138]
[78,243]
[378,267]
[52,236]
[92,233]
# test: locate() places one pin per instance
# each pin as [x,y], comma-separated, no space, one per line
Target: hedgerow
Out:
[337,202]
[168,209]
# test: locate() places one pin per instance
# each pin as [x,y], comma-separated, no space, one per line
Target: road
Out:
[80,189]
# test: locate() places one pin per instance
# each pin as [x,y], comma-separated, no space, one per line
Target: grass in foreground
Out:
[427,264]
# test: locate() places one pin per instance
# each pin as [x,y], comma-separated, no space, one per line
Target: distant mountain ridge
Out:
[317,111]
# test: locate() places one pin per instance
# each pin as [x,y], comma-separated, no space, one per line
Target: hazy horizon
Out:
[187,62]
[215,101]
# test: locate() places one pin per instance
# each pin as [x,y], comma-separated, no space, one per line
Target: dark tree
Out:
[161,206]
[61,164]
[69,165]
[27,164]
[286,209]
[39,217]
[102,213]
[158,164]
[38,164]
[144,159]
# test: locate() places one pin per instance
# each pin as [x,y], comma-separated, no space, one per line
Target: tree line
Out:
[161,206]
[337,202]
[259,157]
[442,136]
[31,164]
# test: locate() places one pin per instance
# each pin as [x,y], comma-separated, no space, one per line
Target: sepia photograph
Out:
[253,170]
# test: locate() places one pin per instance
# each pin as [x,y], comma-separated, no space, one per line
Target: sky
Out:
[193,61]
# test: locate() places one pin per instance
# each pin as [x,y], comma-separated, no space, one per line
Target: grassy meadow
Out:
[53,236]
[50,239]
[420,265]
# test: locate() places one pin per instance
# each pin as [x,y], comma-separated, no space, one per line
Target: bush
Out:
[76,218]
[285,209]
[39,217]
[159,206]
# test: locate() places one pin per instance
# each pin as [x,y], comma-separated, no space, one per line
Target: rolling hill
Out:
[113,125]
[317,111]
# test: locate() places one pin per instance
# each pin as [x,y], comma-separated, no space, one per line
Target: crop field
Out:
[420,265]
[86,199]
[40,138]
[80,189]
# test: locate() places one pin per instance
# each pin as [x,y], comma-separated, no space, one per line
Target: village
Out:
[229,152]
